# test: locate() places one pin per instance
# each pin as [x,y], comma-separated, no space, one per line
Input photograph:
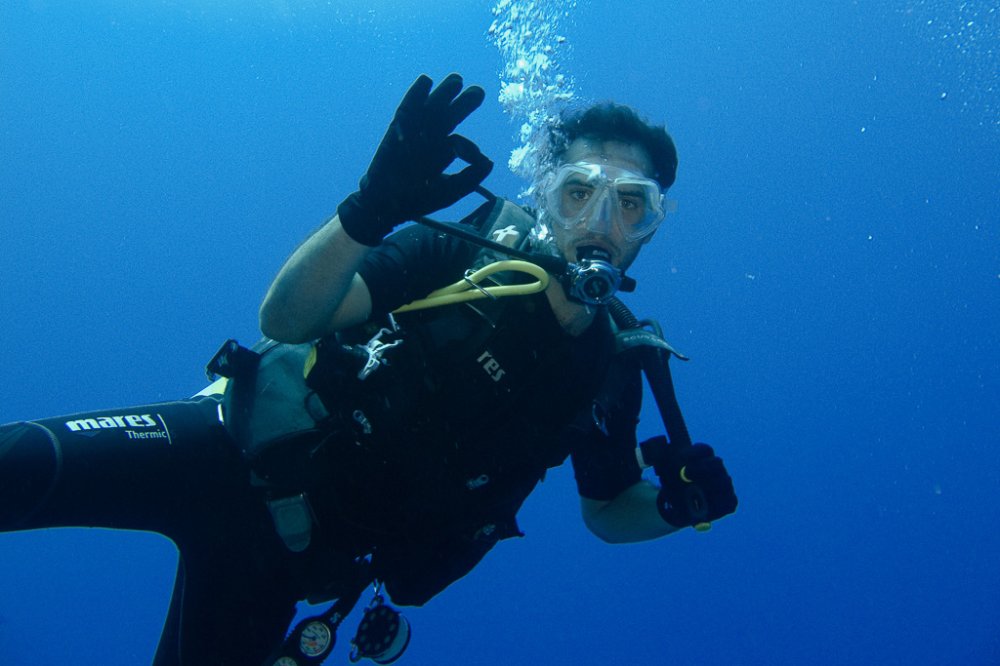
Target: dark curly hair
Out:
[607,121]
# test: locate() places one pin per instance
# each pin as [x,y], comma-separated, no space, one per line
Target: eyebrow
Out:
[633,192]
[578,179]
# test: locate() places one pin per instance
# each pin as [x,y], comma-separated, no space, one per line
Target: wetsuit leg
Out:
[221,616]
[139,468]
[169,468]
[30,459]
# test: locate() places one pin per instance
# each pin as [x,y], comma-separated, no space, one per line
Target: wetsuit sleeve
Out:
[602,448]
[411,263]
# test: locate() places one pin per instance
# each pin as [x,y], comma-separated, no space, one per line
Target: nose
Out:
[600,221]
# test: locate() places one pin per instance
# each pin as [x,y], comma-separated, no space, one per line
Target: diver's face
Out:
[603,233]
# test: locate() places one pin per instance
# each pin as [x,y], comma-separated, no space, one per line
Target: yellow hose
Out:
[468,288]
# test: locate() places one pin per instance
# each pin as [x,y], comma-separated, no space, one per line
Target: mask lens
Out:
[640,206]
[583,190]
[572,193]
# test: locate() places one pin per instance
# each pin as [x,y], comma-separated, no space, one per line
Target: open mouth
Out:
[592,252]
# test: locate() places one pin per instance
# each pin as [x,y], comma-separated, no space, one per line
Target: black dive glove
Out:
[696,488]
[406,178]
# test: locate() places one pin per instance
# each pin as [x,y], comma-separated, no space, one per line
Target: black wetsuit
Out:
[459,430]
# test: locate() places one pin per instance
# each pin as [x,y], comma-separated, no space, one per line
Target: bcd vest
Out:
[423,454]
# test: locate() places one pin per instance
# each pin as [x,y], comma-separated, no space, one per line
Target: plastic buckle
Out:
[374,349]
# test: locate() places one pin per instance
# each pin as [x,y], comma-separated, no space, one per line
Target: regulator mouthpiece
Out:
[594,280]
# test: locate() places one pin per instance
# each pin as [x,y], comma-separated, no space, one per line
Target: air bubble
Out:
[533,89]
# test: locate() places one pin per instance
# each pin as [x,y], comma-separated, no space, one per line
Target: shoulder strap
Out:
[498,223]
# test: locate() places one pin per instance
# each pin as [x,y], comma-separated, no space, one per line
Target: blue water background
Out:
[833,271]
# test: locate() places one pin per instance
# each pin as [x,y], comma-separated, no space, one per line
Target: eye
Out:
[578,193]
[631,202]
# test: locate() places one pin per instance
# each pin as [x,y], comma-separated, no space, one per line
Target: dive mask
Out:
[599,194]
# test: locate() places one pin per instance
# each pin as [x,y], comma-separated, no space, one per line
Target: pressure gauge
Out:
[316,638]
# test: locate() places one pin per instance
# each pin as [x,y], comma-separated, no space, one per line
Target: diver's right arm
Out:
[318,290]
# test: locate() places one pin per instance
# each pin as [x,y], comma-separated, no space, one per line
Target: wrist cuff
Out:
[357,223]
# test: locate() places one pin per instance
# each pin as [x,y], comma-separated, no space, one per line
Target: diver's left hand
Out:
[696,489]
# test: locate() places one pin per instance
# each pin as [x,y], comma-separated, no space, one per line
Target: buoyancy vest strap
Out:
[495,220]
[655,356]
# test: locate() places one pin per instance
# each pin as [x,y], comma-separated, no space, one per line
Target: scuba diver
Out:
[413,387]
